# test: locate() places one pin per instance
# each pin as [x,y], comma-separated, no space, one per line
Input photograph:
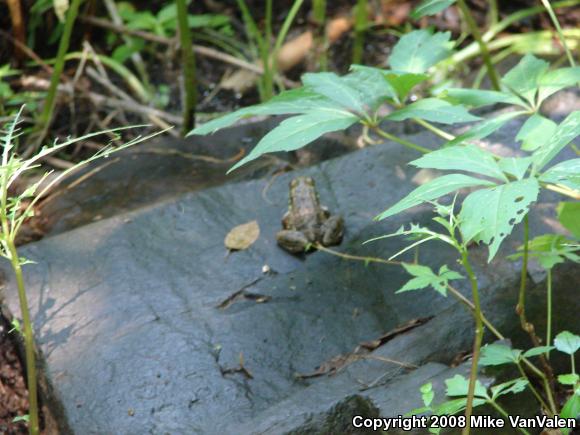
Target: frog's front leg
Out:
[292,241]
[332,231]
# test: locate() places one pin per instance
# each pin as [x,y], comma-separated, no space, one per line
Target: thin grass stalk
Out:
[46,115]
[284,33]
[556,23]
[360,26]
[320,38]
[549,311]
[492,73]
[188,68]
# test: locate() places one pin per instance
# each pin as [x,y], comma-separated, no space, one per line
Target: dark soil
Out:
[13,392]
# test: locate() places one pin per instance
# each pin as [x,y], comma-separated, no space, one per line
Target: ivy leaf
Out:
[336,89]
[511,387]
[569,379]
[468,158]
[478,97]
[516,166]
[484,128]
[425,277]
[489,215]
[419,50]
[569,216]
[523,79]
[567,342]
[432,190]
[566,173]
[539,350]
[430,7]
[564,134]
[498,354]
[535,132]
[294,101]
[434,110]
[458,386]
[295,132]
[427,393]
[553,81]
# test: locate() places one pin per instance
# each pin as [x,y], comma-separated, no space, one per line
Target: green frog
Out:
[307,222]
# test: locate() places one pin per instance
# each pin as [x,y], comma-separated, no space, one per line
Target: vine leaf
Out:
[535,132]
[424,277]
[432,190]
[469,158]
[510,387]
[523,79]
[566,173]
[335,88]
[295,132]
[430,7]
[419,50]
[569,216]
[489,215]
[558,79]
[458,386]
[497,354]
[478,97]
[565,133]
[434,110]
[484,128]
[567,342]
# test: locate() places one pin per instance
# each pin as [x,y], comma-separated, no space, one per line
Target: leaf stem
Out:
[505,414]
[556,23]
[433,129]
[188,66]
[404,142]
[549,309]
[320,247]
[477,340]
[493,77]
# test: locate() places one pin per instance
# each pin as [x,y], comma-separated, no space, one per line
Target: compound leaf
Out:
[535,132]
[523,79]
[419,50]
[424,277]
[565,133]
[566,173]
[498,354]
[434,110]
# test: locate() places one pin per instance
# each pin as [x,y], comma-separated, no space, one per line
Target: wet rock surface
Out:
[139,332]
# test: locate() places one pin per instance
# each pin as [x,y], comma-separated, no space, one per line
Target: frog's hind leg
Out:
[294,242]
[332,231]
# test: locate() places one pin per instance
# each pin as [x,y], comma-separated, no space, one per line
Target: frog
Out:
[307,222]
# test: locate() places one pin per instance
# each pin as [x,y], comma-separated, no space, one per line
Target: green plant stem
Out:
[505,415]
[573,364]
[521,306]
[360,25]
[188,68]
[556,23]
[433,129]
[284,32]
[493,77]
[477,340]
[549,309]
[267,60]
[33,427]
[46,115]
[493,13]
[404,142]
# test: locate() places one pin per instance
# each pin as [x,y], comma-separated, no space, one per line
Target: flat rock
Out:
[147,325]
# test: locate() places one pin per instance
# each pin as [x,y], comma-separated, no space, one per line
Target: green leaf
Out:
[498,354]
[335,88]
[478,97]
[468,158]
[516,166]
[419,50]
[484,128]
[296,101]
[372,84]
[295,132]
[430,7]
[566,173]
[455,406]
[569,379]
[524,78]
[571,408]
[432,190]
[553,81]
[535,351]
[535,132]
[427,393]
[458,386]
[550,249]
[425,277]
[403,83]
[569,216]
[567,342]
[511,387]
[564,134]
[434,110]
[489,215]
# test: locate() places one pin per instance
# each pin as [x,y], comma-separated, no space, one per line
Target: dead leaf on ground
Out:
[242,236]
